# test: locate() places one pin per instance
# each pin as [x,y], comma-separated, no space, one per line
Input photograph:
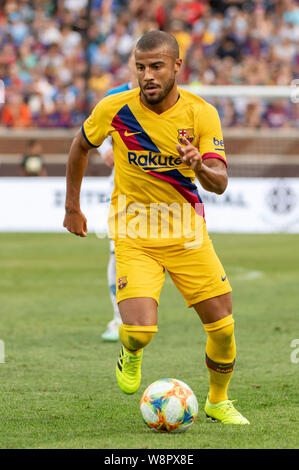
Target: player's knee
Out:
[226,333]
[136,337]
[225,324]
[221,338]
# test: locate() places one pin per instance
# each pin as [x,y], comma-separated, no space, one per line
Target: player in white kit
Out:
[111,332]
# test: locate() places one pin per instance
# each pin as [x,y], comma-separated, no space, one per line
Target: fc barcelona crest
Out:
[122,282]
[187,133]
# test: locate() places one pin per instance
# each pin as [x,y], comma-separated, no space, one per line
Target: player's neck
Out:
[169,101]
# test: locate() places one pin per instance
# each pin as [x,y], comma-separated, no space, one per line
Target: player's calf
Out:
[220,356]
[128,368]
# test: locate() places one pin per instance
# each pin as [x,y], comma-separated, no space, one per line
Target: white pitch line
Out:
[242,274]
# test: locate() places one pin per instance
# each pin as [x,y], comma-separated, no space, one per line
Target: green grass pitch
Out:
[58,387]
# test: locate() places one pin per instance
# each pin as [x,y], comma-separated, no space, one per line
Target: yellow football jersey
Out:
[155,199]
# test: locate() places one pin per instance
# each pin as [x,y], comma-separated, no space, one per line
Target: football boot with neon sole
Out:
[224,412]
[128,370]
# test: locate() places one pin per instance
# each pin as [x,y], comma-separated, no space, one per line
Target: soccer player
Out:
[112,330]
[163,137]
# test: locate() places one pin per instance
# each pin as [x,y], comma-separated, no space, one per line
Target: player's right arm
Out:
[74,220]
[94,130]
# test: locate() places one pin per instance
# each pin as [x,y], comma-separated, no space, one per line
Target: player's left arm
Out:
[210,172]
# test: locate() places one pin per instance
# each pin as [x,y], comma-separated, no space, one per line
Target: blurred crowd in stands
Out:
[58,58]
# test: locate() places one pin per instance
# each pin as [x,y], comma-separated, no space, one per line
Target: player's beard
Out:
[163,93]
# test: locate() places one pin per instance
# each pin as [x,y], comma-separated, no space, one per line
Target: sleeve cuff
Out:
[85,137]
[207,155]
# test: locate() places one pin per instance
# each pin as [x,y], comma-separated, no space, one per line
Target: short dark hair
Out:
[154,39]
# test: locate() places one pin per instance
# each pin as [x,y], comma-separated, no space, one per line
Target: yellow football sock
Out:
[136,337]
[220,356]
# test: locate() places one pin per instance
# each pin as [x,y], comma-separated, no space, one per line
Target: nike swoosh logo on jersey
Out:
[128,134]
[223,278]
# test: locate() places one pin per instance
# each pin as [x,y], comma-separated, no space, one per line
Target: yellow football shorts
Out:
[197,273]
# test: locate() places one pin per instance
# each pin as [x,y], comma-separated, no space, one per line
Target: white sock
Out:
[111,275]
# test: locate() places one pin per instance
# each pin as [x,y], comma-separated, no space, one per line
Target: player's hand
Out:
[190,155]
[108,158]
[75,222]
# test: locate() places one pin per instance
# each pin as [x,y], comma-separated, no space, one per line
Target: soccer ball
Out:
[168,405]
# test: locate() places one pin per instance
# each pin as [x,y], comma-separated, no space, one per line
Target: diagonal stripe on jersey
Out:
[126,123]
[184,186]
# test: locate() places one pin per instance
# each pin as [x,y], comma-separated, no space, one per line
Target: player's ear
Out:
[177,65]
